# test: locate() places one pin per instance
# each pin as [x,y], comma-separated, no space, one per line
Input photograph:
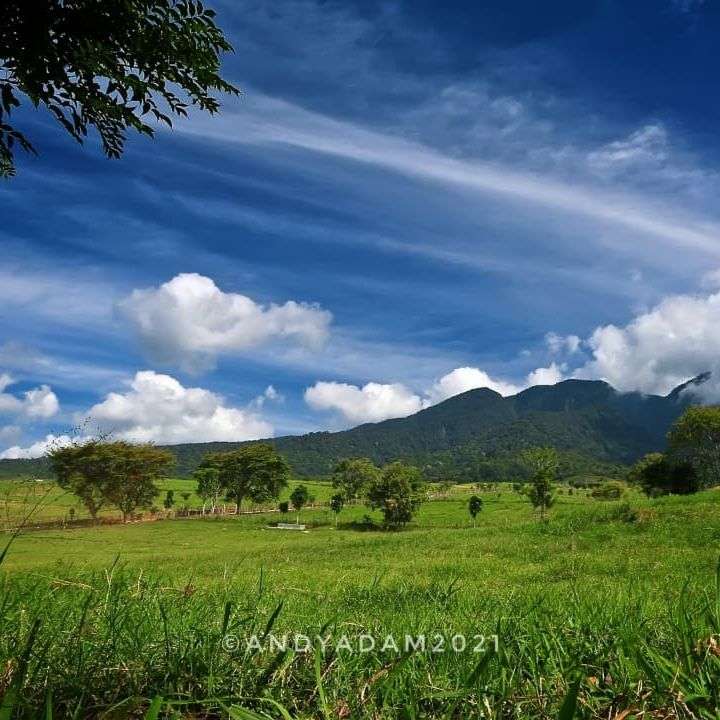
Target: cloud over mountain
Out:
[658,350]
[380,401]
[370,403]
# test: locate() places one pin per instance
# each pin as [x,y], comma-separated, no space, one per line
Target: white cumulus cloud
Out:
[380,401]
[550,375]
[157,408]
[270,394]
[189,321]
[561,344]
[38,403]
[370,403]
[37,449]
[659,349]
[462,379]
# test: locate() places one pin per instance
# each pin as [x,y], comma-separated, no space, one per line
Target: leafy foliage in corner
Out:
[113,65]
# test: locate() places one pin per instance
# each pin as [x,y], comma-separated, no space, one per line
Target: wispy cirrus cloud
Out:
[271,121]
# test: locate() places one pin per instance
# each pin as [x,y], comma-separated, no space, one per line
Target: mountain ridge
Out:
[587,417]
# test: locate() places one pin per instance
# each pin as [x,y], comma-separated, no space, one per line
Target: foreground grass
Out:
[621,608]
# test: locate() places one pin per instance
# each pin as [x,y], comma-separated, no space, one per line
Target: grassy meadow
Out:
[612,609]
[48,502]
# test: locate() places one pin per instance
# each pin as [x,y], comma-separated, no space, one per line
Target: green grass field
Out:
[609,607]
[18,498]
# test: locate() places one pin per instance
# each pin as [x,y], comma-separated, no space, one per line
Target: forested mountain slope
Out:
[587,418]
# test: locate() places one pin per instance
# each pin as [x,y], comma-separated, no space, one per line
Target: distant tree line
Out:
[122,475]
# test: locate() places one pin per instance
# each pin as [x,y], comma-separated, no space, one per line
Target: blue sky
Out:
[407,201]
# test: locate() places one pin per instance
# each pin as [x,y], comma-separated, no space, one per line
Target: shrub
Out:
[657,474]
[611,490]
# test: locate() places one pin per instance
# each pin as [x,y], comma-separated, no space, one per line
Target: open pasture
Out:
[43,501]
[615,601]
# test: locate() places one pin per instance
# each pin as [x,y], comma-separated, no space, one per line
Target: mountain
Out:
[586,419]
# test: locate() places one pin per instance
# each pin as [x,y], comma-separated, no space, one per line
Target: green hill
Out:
[478,432]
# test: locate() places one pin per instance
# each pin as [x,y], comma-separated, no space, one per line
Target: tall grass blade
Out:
[153,712]
[569,706]
[13,692]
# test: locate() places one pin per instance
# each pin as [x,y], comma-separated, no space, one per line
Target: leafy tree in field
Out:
[284,507]
[208,486]
[475,505]
[133,479]
[353,476]
[111,473]
[337,502]
[112,65]
[542,463]
[397,493]
[657,475]
[256,472]
[85,471]
[695,439]
[169,500]
[299,497]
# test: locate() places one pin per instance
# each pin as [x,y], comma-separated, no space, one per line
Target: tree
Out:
[207,480]
[299,497]
[694,439]
[284,507]
[397,493]
[542,463]
[657,474]
[85,471]
[134,476]
[112,65]
[475,505]
[111,473]
[337,502]
[353,476]
[169,500]
[256,472]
